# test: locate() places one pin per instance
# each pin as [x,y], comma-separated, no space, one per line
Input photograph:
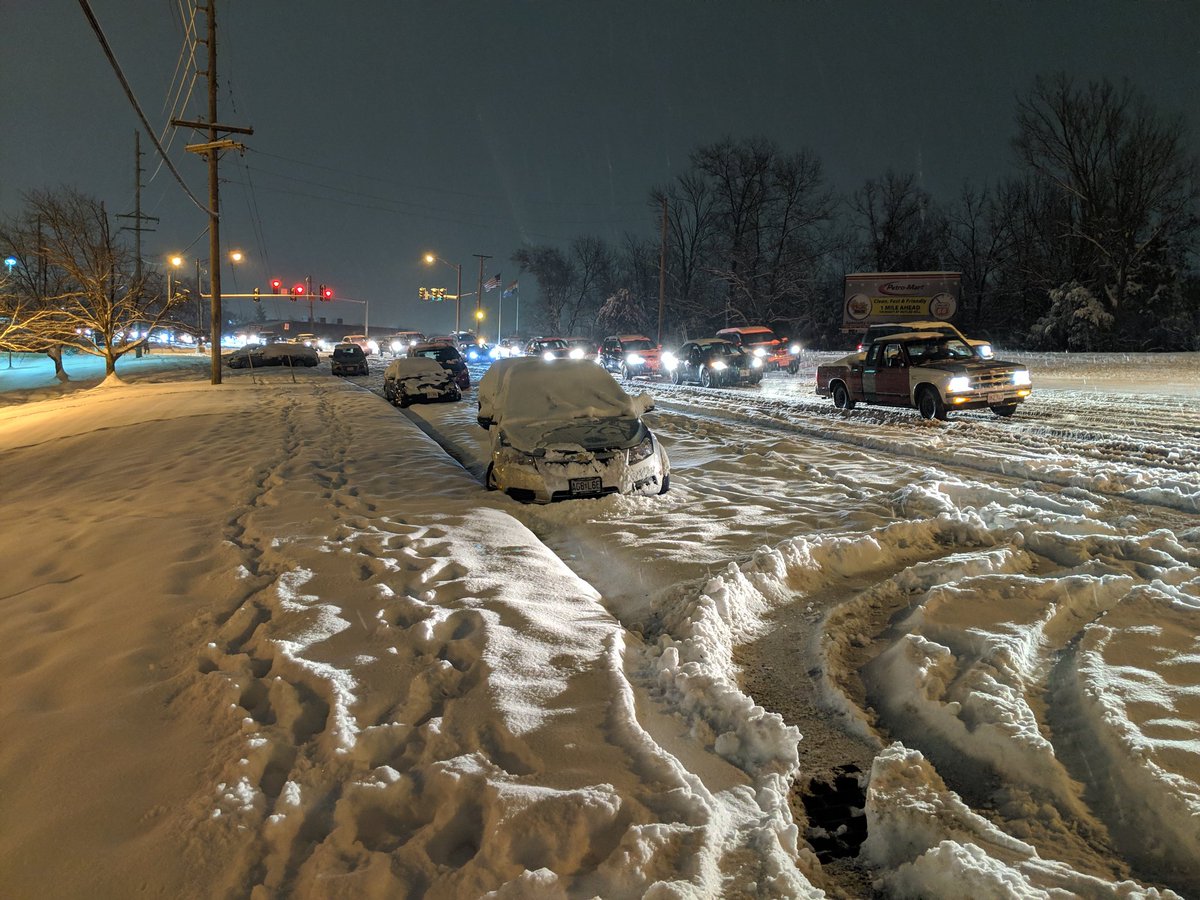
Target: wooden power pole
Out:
[662,274]
[212,149]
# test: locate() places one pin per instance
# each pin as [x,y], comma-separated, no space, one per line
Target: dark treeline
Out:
[1088,245]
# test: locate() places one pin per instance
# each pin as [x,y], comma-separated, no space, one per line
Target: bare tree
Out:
[1127,184]
[572,286]
[901,228]
[91,300]
[978,244]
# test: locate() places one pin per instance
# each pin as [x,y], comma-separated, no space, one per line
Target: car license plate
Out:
[585,485]
[995,398]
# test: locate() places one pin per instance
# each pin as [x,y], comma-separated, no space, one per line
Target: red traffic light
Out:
[298,290]
[327,293]
[276,286]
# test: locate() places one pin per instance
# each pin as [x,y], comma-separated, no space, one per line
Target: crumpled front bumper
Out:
[540,480]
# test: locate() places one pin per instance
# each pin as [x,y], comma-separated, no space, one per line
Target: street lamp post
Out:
[235,256]
[432,258]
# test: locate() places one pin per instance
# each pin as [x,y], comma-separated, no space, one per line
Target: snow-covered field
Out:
[274,638]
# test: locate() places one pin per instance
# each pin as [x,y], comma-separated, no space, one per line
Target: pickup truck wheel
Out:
[841,397]
[930,405]
[706,377]
[1004,410]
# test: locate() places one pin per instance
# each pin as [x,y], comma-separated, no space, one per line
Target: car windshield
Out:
[441,354]
[638,344]
[721,348]
[765,336]
[934,350]
[552,344]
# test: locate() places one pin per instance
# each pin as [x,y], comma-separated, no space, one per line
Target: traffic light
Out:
[326,292]
[297,291]
[422,293]
[439,293]
[276,286]
[256,295]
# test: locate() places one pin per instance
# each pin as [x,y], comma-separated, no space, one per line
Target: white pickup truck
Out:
[927,371]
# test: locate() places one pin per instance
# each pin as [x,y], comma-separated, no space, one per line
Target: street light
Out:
[431,258]
[176,260]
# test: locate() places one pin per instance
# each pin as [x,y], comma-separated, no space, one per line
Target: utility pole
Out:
[479,292]
[212,149]
[662,274]
[137,228]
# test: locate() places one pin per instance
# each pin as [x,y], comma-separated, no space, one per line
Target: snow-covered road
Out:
[848,652]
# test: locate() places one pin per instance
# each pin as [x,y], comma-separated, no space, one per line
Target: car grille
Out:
[992,380]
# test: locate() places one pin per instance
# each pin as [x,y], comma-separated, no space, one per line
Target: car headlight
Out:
[372,347]
[669,360]
[757,362]
[577,353]
[794,349]
[760,352]
[473,355]
[632,359]
[717,365]
[547,356]
[396,345]
[1021,376]
[958,384]
[642,451]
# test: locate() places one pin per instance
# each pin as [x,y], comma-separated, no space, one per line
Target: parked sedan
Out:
[713,363]
[248,356]
[564,429]
[419,379]
[289,354]
[448,356]
[349,359]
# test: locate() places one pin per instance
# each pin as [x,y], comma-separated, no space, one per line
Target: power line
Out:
[91,17]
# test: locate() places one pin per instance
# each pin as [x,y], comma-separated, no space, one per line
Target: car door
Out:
[891,379]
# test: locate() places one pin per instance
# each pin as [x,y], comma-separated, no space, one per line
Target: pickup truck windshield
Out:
[934,351]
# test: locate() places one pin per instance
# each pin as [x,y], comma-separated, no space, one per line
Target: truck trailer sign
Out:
[874,297]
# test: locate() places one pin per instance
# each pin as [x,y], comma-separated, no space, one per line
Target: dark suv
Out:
[349,359]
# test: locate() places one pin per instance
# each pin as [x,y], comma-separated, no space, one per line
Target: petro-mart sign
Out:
[875,297]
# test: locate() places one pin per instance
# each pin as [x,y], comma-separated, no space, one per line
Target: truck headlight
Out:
[958,384]
[756,363]
[760,352]
[577,353]
[548,356]
[669,360]
[717,365]
[632,359]
[1021,376]
[794,349]
[642,451]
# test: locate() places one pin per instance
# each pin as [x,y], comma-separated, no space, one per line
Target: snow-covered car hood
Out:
[539,392]
[564,438]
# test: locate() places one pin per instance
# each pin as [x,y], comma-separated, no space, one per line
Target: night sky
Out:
[386,129]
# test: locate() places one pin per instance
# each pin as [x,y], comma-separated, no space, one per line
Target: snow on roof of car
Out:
[533,395]
[412,366]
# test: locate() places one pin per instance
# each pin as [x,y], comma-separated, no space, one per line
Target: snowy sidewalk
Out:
[329,659]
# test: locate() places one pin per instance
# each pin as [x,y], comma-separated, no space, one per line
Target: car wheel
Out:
[1004,410]
[793,368]
[706,377]
[841,397]
[930,404]
[676,376]
[666,485]
[489,479]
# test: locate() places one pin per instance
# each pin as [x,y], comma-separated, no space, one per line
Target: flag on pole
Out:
[492,283]
[510,290]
